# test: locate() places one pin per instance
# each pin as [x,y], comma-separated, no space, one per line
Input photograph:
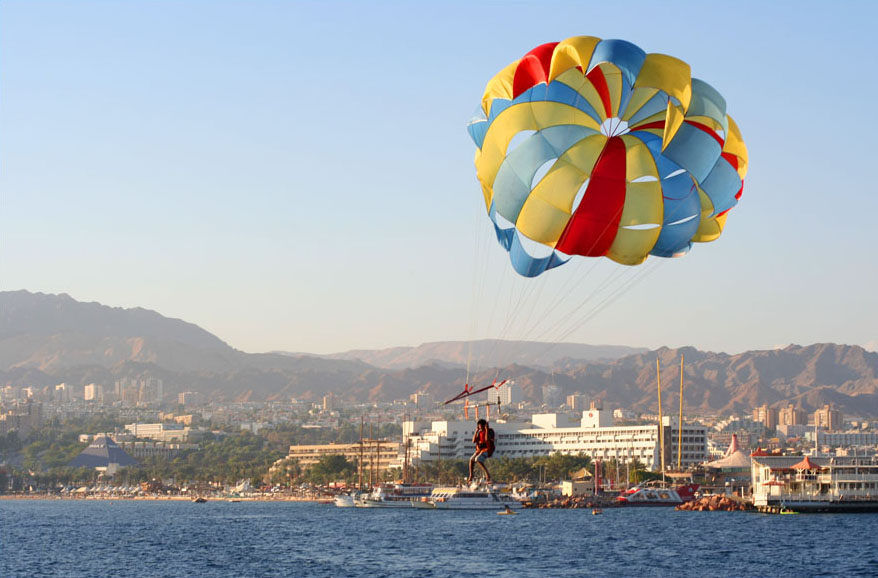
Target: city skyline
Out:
[298,177]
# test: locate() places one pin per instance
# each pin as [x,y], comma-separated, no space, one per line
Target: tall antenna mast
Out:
[680,434]
[658,373]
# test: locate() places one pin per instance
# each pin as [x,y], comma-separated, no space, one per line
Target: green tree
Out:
[331,468]
[558,466]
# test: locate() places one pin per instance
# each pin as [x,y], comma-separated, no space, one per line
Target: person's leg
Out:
[485,468]
[471,460]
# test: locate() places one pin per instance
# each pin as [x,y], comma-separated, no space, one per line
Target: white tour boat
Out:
[394,496]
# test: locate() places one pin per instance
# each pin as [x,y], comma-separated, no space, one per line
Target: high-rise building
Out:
[828,418]
[576,402]
[143,391]
[790,415]
[189,398]
[768,416]
[422,401]
[127,390]
[551,395]
[63,393]
[509,394]
[151,390]
[93,392]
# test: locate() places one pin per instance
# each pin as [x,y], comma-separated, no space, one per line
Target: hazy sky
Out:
[298,176]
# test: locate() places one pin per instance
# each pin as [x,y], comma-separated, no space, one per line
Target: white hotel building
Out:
[594,435]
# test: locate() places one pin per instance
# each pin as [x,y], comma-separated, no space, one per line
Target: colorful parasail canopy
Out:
[594,147]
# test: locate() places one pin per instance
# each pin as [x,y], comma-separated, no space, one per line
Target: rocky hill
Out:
[48,339]
[485,353]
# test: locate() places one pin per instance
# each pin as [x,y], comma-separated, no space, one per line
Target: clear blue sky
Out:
[297,176]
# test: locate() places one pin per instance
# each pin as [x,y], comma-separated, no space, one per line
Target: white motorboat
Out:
[646,495]
[452,498]
[344,501]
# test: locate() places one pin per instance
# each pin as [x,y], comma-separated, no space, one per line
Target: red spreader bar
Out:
[468,392]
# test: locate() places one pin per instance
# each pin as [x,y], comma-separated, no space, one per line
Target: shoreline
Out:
[52,497]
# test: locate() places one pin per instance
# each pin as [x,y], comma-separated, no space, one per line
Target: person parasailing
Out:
[484,440]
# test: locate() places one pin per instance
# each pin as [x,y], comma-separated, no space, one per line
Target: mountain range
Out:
[49,339]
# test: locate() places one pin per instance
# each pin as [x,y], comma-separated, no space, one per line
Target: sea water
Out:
[254,539]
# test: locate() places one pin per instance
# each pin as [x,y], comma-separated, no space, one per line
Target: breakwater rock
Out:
[716,503]
[584,502]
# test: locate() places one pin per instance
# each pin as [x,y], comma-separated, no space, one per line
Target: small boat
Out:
[344,501]
[507,513]
[199,500]
[649,495]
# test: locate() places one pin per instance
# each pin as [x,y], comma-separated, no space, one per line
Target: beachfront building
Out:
[104,455]
[165,450]
[378,454]
[593,435]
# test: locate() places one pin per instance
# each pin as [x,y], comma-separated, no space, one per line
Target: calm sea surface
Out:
[251,539]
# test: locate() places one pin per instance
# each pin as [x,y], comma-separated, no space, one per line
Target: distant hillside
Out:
[48,339]
[38,314]
[807,377]
[485,353]
[56,335]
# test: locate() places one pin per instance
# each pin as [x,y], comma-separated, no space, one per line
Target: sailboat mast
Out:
[680,434]
[360,463]
[658,373]
[405,449]
[405,462]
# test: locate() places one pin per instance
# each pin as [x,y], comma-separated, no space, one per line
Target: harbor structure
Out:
[732,470]
[734,460]
[595,435]
[814,483]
